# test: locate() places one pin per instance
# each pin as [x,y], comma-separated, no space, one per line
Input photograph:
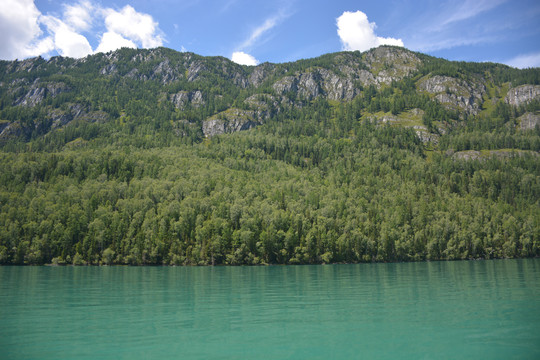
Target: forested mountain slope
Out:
[160,157]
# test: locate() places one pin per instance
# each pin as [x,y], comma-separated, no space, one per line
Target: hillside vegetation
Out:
[160,157]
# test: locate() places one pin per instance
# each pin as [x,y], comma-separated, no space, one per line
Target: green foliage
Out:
[134,182]
[264,197]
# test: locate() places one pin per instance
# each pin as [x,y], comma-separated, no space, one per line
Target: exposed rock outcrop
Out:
[317,82]
[467,155]
[38,92]
[389,64]
[425,136]
[182,98]
[229,121]
[523,94]
[109,69]
[164,72]
[14,130]
[529,121]
[455,94]
[264,105]
[194,69]
[410,120]
[260,74]
[501,154]
[61,118]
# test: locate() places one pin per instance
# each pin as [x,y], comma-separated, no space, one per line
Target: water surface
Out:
[476,309]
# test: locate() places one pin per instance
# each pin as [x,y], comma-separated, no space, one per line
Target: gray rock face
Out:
[60,118]
[523,94]
[195,68]
[427,137]
[263,102]
[219,126]
[336,87]
[391,64]
[286,84]
[13,130]
[455,94]
[182,98]
[24,66]
[38,92]
[263,105]
[529,121]
[421,131]
[317,82]
[75,112]
[339,82]
[260,74]
[467,155]
[133,73]
[501,154]
[164,72]
[33,97]
[229,121]
[109,69]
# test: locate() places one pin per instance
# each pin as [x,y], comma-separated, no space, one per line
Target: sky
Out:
[250,32]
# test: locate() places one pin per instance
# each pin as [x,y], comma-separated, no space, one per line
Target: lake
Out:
[431,310]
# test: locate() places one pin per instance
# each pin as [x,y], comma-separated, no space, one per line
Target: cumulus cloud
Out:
[242,58]
[27,32]
[19,26]
[111,41]
[66,41]
[134,26]
[357,33]
[525,61]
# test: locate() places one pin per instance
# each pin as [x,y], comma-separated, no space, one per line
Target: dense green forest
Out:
[102,167]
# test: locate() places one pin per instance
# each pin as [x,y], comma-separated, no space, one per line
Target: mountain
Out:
[161,157]
[215,95]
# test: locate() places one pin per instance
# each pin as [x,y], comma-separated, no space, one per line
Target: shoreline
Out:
[259,265]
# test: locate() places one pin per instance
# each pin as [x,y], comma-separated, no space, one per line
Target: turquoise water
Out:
[477,309]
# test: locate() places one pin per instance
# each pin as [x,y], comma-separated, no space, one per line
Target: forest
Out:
[318,181]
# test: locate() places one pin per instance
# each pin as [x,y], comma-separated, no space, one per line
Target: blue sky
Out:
[253,31]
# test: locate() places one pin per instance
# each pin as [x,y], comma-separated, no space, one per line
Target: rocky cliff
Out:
[218,96]
[456,94]
[229,121]
[523,94]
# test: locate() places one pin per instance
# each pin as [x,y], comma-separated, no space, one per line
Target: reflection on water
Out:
[477,309]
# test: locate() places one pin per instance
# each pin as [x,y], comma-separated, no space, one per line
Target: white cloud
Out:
[255,34]
[525,61]
[242,58]
[357,33]
[134,26]
[42,47]
[436,43]
[66,41]
[26,32]
[112,41]
[79,16]
[468,9]
[455,24]
[19,26]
